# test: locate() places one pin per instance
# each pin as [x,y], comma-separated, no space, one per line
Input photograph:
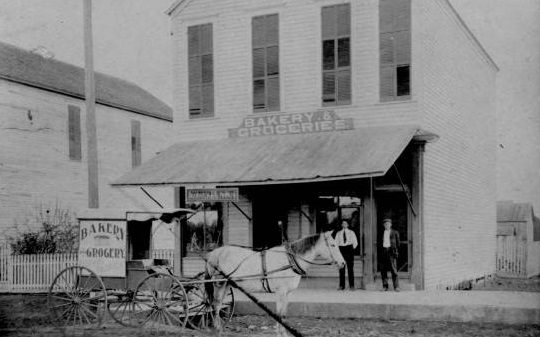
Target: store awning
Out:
[324,156]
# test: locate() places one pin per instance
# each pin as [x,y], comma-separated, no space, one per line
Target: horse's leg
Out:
[219,292]
[281,311]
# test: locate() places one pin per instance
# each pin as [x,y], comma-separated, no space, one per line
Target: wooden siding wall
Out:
[34,155]
[456,91]
[300,39]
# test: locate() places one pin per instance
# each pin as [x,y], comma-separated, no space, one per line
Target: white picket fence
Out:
[511,256]
[34,273]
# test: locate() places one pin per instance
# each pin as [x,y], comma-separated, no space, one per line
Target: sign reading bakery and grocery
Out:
[292,123]
[102,246]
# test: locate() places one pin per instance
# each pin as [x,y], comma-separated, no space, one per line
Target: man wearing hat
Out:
[390,248]
[347,243]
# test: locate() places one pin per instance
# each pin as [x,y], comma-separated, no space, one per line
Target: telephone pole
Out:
[90,95]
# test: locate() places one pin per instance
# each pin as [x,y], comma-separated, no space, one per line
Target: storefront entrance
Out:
[268,212]
[393,205]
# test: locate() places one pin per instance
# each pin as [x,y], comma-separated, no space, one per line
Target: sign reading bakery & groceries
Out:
[291,123]
[102,246]
[211,194]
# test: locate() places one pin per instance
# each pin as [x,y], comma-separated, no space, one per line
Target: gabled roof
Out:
[21,66]
[508,211]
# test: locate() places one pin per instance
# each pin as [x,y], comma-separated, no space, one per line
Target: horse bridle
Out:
[333,262]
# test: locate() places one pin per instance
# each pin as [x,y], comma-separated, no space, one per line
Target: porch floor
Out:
[458,306]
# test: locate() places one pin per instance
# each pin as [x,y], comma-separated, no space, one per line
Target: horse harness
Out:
[293,265]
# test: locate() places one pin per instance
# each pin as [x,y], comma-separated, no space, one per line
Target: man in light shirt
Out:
[390,247]
[347,242]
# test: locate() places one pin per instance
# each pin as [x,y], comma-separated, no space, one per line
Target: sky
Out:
[131,41]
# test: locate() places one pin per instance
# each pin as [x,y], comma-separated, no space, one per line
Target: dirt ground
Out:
[26,316]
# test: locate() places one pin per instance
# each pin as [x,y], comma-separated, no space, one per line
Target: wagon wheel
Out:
[160,301]
[120,307]
[202,316]
[77,297]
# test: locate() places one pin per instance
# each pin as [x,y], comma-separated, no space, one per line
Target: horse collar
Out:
[295,266]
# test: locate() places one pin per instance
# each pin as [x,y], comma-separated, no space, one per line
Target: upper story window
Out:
[201,71]
[74,132]
[395,49]
[336,55]
[265,53]
[135,143]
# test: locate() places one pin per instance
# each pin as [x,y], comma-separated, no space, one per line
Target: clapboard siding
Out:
[34,155]
[457,103]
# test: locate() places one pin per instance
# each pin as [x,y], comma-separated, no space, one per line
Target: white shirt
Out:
[350,238]
[386,239]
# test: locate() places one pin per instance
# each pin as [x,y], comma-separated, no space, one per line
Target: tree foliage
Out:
[50,231]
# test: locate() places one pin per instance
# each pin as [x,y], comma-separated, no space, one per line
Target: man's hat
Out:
[387,220]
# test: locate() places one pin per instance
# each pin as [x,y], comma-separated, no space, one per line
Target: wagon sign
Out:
[102,246]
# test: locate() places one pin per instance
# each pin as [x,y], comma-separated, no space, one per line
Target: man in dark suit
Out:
[390,249]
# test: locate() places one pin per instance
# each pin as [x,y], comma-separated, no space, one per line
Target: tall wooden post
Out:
[90,95]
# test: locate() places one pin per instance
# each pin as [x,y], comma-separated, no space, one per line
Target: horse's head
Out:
[329,250]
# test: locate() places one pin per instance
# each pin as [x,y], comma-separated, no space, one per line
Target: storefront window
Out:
[332,210]
[204,230]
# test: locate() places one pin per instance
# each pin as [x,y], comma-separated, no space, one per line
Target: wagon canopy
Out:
[323,156]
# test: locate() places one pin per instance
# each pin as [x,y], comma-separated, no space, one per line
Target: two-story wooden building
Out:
[324,110]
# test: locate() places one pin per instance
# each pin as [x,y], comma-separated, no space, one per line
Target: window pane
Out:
[204,230]
[74,132]
[344,53]
[257,31]
[206,39]
[207,69]
[272,29]
[328,22]
[194,38]
[208,99]
[258,94]
[273,94]
[344,87]
[195,99]
[403,81]
[272,59]
[329,87]
[344,19]
[194,70]
[258,63]
[328,55]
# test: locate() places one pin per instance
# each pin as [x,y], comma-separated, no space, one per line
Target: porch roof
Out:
[324,156]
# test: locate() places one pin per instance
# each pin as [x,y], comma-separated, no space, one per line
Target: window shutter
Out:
[273,94]
[387,85]
[402,46]
[74,132]
[329,87]
[386,48]
[343,20]
[257,31]
[272,60]
[135,143]
[258,63]
[386,20]
[344,52]
[344,86]
[401,13]
[272,30]
[201,70]
[258,95]
[328,22]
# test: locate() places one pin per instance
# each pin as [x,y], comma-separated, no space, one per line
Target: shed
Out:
[518,240]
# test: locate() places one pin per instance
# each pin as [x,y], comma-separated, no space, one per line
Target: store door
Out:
[267,213]
[394,205]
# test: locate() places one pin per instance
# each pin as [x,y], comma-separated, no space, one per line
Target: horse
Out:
[276,270]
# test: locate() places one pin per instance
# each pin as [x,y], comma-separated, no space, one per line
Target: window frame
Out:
[336,69]
[74,133]
[266,78]
[200,80]
[136,147]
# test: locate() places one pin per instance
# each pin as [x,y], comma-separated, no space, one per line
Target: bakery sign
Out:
[291,123]
[102,246]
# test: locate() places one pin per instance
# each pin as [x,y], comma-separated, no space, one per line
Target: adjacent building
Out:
[319,111]
[43,158]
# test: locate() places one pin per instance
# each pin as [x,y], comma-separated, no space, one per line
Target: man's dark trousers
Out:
[348,255]
[389,264]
